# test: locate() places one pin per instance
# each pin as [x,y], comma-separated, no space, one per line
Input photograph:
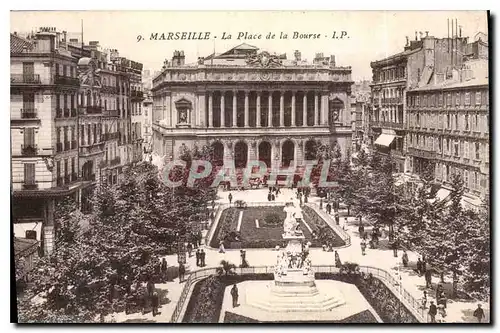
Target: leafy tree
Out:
[226,268]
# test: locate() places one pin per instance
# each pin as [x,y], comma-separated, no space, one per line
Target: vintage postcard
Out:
[250,167]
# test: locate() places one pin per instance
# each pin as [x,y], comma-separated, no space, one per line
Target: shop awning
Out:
[384,140]
[473,203]
[21,228]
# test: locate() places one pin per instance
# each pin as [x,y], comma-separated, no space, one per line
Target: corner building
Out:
[252,105]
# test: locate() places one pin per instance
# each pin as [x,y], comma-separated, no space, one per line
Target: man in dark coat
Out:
[428,278]
[405,258]
[234,295]
[164,269]
[150,287]
[155,303]
[198,261]
[202,258]
[269,196]
[361,230]
[432,312]
[190,249]
[273,197]
[419,267]
[337,218]
[230,197]
[479,313]
[182,271]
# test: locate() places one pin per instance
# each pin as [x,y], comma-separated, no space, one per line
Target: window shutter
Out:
[29,173]
[29,137]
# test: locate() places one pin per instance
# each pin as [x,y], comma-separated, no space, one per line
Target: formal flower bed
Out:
[207,297]
[270,230]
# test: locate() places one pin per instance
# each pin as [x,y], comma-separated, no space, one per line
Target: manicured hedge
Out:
[364,317]
[316,222]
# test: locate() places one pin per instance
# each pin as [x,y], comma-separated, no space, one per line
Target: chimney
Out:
[297,55]
[416,32]
[182,58]
[332,61]
[427,34]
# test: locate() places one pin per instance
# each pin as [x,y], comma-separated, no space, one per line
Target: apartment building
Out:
[449,129]
[44,128]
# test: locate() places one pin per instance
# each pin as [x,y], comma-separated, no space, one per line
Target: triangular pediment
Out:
[183,102]
[239,51]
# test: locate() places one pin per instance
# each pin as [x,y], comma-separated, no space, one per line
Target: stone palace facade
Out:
[252,105]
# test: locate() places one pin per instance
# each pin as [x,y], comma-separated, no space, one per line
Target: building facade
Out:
[395,75]
[360,103]
[449,129]
[251,105]
[70,126]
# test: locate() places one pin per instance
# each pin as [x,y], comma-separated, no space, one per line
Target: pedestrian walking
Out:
[164,269]
[329,208]
[432,312]
[221,247]
[213,204]
[155,303]
[405,258]
[230,197]
[321,203]
[428,278]
[278,190]
[361,230]
[182,272]
[338,263]
[198,257]
[363,247]
[337,218]
[234,295]
[273,197]
[202,258]
[190,249]
[269,196]
[424,300]
[424,266]
[150,287]
[479,313]
[419,267]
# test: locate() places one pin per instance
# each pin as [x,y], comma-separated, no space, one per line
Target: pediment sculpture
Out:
[264,59]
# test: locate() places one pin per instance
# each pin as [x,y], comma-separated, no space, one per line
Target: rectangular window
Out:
[467,98]
[29,173]
[95,133]
[457,99]
[418,101]
[478,98]
[476,180]
[29,137]
[466,149]
[456,148]
[477,150]
[466,178]
[456,122]
[82,135]
[66,169]
[73,167]
[439,145]
[440,99]
[466,122]
[448,99]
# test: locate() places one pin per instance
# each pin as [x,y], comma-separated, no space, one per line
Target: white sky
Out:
[373,35]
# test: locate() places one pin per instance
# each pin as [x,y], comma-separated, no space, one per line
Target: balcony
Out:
[59,147]
[90,110]
[25,79]
[136,94]
[110,136]
[109,90]
[89,178]
[387,124]
[115,161]
[28,113]
[29,150]
[93,149]
[66,80]
[30,185]
[422,153]
[111,113]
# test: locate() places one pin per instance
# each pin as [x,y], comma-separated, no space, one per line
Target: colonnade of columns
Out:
[281,109]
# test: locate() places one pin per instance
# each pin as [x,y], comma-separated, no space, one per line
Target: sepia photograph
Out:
[225,167]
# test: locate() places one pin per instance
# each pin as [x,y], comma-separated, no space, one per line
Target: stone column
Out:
[304,110]
[316,110]
[257,107]
[270,110]
[222,110]
[235,95]
[246,108]
[324,109]
[282,109]
[293,108]
[210,110]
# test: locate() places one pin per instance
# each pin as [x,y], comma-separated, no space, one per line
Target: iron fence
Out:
[389,280]
[328,219]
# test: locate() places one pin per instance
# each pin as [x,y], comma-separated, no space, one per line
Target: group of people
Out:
[143,296]
[273,193]
[200,258]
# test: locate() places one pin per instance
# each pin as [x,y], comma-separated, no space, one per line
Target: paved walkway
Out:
[458,311]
